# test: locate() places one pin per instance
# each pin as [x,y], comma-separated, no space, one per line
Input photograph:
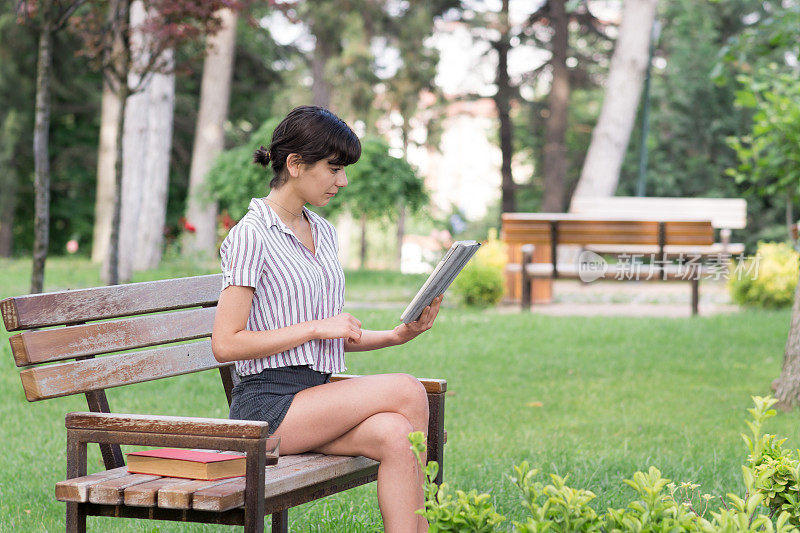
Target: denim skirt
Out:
[266,396]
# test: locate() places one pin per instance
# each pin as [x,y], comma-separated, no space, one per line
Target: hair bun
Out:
[261,156]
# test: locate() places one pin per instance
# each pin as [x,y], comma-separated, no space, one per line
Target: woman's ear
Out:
[293,163]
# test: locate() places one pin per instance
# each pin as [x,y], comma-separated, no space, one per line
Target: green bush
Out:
[768,279]
[480,285]
[771,502]
[481,282]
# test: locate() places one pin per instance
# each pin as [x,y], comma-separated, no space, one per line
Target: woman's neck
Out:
[289,207]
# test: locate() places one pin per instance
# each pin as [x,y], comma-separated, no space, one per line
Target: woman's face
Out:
[316,184]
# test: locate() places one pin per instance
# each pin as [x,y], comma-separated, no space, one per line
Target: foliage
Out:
[378,183]
[481,282]
[769,156]
[235,179]
[771,480]
[768,279]
[464,512]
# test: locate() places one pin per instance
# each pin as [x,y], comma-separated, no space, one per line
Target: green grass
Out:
[595,397]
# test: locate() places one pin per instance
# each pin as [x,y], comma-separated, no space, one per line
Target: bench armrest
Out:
[168,425]
[434,386]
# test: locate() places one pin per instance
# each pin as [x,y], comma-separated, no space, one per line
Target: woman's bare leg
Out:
[370,416]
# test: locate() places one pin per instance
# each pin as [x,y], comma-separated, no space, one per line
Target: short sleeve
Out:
[242,257]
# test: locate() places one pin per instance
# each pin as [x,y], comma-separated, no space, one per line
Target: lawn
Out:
[595,397]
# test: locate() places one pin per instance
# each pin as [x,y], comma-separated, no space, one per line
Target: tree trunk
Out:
[600,173]
[787,386]
[119,14]
[106,159]
[555,148]
[502,99]
[41,156]
[320,88]
[209,135]
[362,264]
[401,208]
[153,208]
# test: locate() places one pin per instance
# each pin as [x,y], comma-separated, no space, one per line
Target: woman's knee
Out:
[413,396]
[391,431]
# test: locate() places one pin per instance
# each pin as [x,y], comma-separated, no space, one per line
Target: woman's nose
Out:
[342,180]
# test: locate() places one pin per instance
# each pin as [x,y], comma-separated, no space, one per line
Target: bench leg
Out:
[280,521]
[695,295]
[76,518]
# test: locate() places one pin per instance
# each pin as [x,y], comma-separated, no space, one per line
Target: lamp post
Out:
[640,186]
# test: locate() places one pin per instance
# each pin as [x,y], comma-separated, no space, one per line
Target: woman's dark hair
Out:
[312,132]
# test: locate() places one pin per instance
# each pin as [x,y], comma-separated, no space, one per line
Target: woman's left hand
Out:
[406,332]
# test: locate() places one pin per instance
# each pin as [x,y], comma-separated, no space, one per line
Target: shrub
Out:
[481,282]
[771,502]
[768,279]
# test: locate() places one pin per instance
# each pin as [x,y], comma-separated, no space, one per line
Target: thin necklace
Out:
[279,205]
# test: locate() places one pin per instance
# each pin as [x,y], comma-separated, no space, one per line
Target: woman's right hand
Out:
[342,326]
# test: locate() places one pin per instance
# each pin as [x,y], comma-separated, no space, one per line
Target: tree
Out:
[601,168]
[376,182]
[169,24]
[50,16]
[147,142]
[209,133]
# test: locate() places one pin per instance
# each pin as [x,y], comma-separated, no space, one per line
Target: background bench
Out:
[547,231]
[725,214]
[173,319]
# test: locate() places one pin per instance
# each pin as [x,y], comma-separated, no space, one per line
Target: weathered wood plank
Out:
[72,307]
[305,474]
[431,385]
[62,379]
[179,495]
[112,491]
[146,494]
[172,425]
[41,346]
[77,489]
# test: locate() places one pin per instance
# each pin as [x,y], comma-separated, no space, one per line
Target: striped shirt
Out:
[292,285]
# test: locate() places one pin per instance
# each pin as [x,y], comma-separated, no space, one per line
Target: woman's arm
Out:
[373,340]
[230,341]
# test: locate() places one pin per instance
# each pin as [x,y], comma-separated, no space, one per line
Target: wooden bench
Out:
[725,214]
[173,320]
[546,231]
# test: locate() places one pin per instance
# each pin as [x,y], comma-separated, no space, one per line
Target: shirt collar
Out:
[264,211]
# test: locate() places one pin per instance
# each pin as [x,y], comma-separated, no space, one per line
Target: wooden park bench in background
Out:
[529,279]
[725,214]
[115,323]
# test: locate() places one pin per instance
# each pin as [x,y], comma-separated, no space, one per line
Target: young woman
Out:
[280,318]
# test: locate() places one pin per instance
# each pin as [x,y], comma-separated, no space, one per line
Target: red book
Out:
[192,464]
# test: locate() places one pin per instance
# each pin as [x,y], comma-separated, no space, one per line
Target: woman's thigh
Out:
[321,414]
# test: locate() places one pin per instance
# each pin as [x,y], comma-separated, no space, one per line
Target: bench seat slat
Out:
[146,494]
[62,379]
[179,495]
[112,491]
[303,475]
[77,489]
[31,347]
[72,307]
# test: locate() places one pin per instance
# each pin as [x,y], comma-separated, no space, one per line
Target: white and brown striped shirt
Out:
[291,284]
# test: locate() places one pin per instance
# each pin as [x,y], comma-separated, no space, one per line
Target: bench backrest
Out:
[110,322]
[728,213]
[564,228]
